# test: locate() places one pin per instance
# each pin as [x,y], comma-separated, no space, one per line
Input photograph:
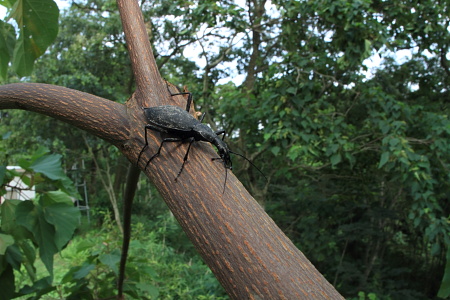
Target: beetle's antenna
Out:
[226,172]
[225,183]
[250,163]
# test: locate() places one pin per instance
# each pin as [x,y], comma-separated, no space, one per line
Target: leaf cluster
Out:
[43,225]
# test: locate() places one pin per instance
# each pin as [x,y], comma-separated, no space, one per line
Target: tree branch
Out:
[106,119]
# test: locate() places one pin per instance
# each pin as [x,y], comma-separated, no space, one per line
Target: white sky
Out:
[63,3]
[372,62]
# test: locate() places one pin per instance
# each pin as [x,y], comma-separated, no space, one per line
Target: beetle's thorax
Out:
[224,152]
[203,132]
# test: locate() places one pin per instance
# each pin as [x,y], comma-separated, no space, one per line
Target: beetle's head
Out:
[224,153]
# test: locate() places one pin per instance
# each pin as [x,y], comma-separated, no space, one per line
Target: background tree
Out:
[244,238]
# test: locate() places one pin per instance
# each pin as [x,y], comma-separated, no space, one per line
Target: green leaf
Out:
[275,150]
[59,210]
[8,215]
[6,240]
[149,271]
[393,142]
[7,43]
[152,290]
[83,271]
[50,166]
[30,253]
[111,260]
[38,24]
[384,126]
[384,159]
[367,48]
[85,244]
[77,273]
[14,257]
[292,90]
[33,219]
[7,3]
[41,151]
[335,159]
[294,152]
[40,287]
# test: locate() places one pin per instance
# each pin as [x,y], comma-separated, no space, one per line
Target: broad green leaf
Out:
[335,159]
[59,210]
[149,271]
[41,151]
[275,150]
[111,260]
[6,240]
[393,142]
[78,272]
[38,24]
[292,90]
[367,48]
[32,217]
[384,126]
[55,197]
[8,215]
[294,152]
[52,223]
[384,159]
[83,271]
[7,3]
[85,244]
[40,287]
[49,165]
[29,254]
[14,257]
[7,43]
[151,290]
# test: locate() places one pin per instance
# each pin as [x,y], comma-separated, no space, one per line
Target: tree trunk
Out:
[251,257]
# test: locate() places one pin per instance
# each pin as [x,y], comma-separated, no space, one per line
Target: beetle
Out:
[183,127]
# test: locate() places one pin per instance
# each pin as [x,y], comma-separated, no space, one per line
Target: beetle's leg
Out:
[189,100]
[185,158]
[226,172]
[145,146]
[160,147]
[221,132]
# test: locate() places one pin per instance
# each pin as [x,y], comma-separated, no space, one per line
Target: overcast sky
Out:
[372,62]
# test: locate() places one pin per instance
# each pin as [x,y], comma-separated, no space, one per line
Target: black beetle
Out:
[182,127]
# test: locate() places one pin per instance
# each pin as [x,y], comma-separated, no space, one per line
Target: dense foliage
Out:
[357,156]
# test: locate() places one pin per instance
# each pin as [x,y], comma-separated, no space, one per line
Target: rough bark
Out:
[248,253]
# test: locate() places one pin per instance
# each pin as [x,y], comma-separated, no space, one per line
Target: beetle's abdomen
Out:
[171,118]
